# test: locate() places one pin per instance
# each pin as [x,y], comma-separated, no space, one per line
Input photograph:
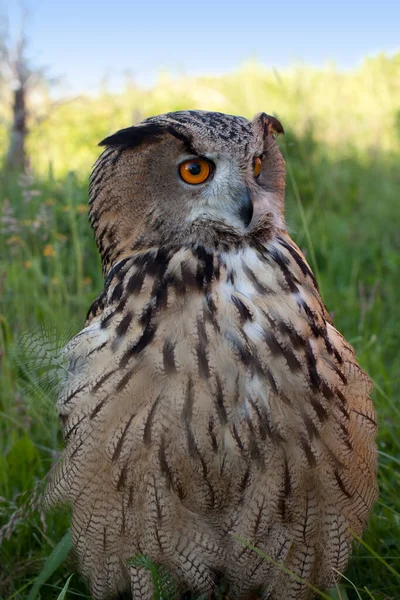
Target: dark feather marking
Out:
[74,393]
[346,437]
[211,312]
[326,390]
[77,448]
[321,412]
[135,283]
[282,261]
[143,259]
[199,278]
[367,417]
[305,269]
[204,369]
[341,397]
[190,278]
[271,381]
[118,447]
[68,434]
[339,372]
[124,324]
[341,485]
[202,361]
[147,336]
[97,349]
[118,271]
[217,270]
[310,426]
[122,479]
[258,518]
[164,466]
[254,449]
[288,481]
[106,321]
[295,338]
[277,349]
[160,293]
[157,265]
[260,287]
[237,438]
[102,380]
[169,357]
[240,348]
[98,408]
[264,425]
[96,306]
[220,402]
[315,379]
[245,480]
[132,137]
[212,435]
[222,464]
[125,380]
[244,313]
[308,452]
[207,259]
[187,412]
[149,422]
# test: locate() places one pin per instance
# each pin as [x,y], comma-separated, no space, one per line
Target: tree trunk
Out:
[16,155]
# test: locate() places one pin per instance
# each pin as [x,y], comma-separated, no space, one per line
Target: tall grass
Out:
[342,208]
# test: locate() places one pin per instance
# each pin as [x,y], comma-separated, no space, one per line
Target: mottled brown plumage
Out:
[209,400]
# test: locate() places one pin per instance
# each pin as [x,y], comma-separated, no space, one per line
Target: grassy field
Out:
[343,209]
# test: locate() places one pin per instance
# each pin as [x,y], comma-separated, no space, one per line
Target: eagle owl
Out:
[210,406]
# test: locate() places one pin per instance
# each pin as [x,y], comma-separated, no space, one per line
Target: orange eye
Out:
[257,166]
[195,170]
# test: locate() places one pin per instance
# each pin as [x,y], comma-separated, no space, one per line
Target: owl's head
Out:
[186,178]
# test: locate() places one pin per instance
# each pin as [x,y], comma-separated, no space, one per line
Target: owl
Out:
[215,420]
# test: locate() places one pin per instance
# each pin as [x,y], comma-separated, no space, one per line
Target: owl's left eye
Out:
[195,170]
[257,164]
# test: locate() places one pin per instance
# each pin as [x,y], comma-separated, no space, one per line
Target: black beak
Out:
[245,206]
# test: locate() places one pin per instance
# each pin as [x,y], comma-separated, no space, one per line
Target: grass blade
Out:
[63,592]
[54,560]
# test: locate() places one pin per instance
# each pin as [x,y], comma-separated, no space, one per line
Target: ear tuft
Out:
[272,126]
[133,136]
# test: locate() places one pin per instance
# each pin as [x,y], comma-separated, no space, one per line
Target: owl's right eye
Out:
[195,170]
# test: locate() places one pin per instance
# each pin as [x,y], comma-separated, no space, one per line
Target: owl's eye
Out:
[195,170]
[257,166]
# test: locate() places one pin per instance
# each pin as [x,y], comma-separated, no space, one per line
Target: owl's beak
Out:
[245,206]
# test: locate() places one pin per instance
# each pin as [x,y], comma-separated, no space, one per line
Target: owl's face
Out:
[184,178]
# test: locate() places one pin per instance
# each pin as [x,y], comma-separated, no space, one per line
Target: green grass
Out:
[344,212]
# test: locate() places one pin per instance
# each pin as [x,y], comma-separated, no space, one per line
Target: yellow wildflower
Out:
[27,222]
[48,250]
[81,209]
[15,240]
[66,209]
[54,280]
[50,202]
[87,281]
[61,237]
[27,264]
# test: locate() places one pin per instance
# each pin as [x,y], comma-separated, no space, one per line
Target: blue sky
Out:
[82,40]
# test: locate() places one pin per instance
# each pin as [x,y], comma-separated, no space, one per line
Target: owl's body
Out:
[210,404]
